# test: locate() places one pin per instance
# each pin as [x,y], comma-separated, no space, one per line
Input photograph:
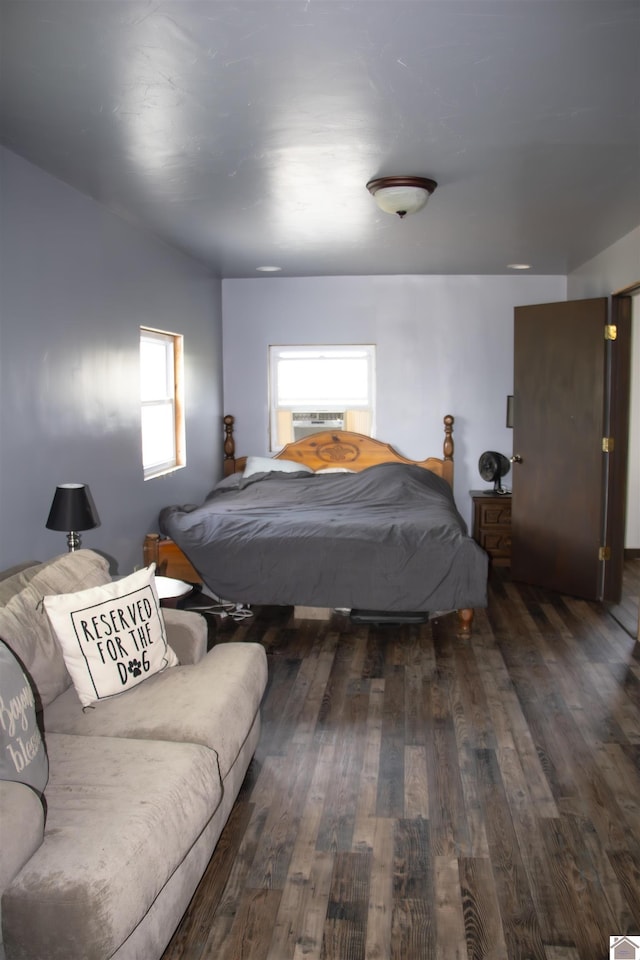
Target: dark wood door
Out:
[561,486]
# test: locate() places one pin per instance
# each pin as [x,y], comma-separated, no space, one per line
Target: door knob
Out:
[516,458]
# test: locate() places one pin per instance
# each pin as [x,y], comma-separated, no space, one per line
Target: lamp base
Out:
[74,541]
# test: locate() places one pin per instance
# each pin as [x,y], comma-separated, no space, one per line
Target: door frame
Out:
[618,428]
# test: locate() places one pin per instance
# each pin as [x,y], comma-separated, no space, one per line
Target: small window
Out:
[162,413]
[320,387]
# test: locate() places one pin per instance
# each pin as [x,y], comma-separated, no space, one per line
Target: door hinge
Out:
[604,553]
[608,444]
[610,331]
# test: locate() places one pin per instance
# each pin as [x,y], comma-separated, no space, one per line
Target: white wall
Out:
[444,345]
[614,269]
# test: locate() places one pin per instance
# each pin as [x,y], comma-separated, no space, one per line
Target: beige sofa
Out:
[140,785]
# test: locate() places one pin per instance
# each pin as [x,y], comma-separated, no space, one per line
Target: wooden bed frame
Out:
[169,559]
[340,448]
[329,448]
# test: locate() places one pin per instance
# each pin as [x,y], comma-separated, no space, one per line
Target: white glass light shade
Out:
[401,199]
[401,195]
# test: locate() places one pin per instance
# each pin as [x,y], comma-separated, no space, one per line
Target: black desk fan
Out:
[493,466]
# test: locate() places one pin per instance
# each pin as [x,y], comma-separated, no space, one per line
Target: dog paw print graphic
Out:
[135,668]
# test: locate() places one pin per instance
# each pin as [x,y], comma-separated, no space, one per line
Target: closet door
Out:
[563,485]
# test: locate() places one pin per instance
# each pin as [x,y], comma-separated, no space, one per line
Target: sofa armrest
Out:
[186,634]
[22,818]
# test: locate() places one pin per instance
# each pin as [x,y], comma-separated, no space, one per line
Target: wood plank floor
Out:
[418,796]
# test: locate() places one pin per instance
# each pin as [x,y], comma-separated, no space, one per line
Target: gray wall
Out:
[76,284]
[614,268]
[444,345]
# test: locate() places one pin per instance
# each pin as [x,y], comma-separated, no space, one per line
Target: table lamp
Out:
[72,510]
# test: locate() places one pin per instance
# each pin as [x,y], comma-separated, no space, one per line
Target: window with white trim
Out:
[320,387]
[161,399]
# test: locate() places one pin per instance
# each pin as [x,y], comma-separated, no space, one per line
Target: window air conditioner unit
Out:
[304,424]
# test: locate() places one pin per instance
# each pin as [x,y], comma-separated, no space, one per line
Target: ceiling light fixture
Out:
[401,195]
[269,269]
[519,266]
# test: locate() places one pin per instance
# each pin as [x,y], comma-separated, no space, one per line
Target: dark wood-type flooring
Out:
[418,796]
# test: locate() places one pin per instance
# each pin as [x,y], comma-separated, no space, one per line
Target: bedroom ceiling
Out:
[245,132]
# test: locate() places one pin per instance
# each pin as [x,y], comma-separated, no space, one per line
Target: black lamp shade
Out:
[72,508]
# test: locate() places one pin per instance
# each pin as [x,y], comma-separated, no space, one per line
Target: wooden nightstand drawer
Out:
[496,543]
[495,514]
[492,525]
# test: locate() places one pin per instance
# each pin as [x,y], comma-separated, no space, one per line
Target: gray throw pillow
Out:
[23,757]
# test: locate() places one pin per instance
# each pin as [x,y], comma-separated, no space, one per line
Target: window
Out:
[162,414]
[320,387]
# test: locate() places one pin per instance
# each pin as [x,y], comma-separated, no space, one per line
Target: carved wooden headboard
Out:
[341,448]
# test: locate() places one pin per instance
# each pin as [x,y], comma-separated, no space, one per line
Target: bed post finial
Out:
[447,447]
[229,442]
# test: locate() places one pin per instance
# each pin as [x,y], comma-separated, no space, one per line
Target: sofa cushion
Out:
[24,625]
[120,820]
[213,702]
[113,636]
[23,757]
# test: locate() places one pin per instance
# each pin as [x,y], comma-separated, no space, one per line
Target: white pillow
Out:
[335,470]
[112,637]
[267,465]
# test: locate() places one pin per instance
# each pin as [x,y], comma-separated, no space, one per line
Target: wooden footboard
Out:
[169,559]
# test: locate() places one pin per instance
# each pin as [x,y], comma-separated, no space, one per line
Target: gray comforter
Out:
[387,538]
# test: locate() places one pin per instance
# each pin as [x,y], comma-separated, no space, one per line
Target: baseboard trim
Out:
[631,553]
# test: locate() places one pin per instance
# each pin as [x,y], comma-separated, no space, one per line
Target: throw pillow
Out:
[335,470]
[112,637]
[23,757]
[267,465]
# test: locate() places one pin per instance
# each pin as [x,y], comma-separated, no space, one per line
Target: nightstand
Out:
[492,524]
